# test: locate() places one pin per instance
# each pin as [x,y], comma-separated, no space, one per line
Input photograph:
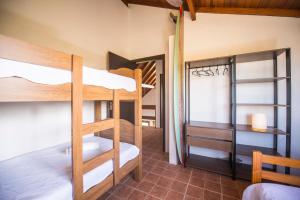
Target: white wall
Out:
[213,35]
[149,29]
[86,28]
[153,96]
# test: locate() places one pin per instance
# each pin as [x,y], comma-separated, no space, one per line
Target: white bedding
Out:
[46,174]
[54,76]
[270,191]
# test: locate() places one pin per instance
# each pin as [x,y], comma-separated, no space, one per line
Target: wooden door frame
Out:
[162,92]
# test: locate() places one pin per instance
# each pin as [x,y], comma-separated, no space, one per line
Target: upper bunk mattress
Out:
[54,76]
[270,191]
[46,174]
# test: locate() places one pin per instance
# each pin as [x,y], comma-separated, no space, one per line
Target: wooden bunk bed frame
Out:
[15,89]
[258,174]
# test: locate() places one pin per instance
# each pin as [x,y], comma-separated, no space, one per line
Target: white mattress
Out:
[54,76]
[270,191]
[46,174]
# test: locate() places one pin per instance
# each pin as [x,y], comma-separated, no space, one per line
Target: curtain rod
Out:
[209,66]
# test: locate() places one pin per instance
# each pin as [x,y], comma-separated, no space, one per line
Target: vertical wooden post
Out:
[77,99]
[256,167]
[116,142]
[138,121]
[97,113]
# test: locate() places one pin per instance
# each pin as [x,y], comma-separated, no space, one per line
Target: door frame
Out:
[162,92]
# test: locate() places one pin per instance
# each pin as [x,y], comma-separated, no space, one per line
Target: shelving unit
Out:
[231,166]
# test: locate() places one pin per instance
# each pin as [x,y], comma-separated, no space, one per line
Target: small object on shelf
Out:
[259,122]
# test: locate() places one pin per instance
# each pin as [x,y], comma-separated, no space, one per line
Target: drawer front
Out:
[210,144]
[220,134]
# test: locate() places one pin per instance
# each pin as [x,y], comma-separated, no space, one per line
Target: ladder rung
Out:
[98,126]
[98,160]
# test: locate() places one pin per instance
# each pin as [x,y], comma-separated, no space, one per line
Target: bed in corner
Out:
[88,166]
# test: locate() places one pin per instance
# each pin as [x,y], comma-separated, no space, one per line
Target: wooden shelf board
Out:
[260,80]
[246,150]
[258,56]
[209,164]
[270,130]
[214,125]
[262,104]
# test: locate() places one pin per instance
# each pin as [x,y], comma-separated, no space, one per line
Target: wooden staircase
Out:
[149,74]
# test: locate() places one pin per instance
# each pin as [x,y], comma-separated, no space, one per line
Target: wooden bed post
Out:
[257,167]
[116,137]
[138,122]
[97,111]
[77,100]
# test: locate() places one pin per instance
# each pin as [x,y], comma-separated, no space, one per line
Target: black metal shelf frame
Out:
[232,61]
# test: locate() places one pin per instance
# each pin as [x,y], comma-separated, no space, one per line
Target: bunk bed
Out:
[94,164]
[273,190]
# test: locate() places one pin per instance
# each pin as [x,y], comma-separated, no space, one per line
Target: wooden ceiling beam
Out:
[191,6]
[251,11]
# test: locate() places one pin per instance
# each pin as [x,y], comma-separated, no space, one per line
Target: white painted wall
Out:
[71,26]
[86,28]
[214,35]
[153,96]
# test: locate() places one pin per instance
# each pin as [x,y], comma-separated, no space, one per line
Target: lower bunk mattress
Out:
[270,191]
[46,174]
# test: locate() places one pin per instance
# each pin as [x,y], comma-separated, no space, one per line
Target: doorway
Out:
[153,70]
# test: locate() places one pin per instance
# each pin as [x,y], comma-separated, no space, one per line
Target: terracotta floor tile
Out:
[164,182]
[113,197]
[208,195]
[187,197]
[174,196]
[157,170]
[159,192]
[184,181]
[229,191]
[123,192]
[152,178]
[212,177]
[131,182]
[212,186]
[225,197]
[179,186]
[145,186]
[196,181]
[149,197]
[137,195]
[195,191]
[182,177]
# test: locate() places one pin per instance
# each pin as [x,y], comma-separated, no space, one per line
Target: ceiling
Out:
[287,8]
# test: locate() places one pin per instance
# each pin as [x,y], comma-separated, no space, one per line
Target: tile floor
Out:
[162,180]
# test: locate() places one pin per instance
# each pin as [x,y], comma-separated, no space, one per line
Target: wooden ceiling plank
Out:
[191,6]
[252,11]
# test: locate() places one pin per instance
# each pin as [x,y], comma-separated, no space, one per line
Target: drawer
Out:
[220,134]
[210,143]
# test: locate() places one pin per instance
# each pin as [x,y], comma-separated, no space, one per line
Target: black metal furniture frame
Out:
[239,170]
